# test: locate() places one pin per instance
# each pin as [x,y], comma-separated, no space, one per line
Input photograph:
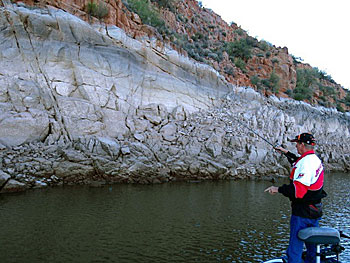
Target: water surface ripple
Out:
[229,221]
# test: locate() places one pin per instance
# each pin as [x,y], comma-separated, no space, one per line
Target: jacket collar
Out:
[307,153]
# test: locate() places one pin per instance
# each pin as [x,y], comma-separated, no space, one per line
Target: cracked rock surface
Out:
[81,104]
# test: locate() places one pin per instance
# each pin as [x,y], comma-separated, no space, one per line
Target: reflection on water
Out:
[175,222]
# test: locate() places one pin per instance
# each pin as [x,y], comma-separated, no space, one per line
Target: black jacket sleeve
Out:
[291,157]
[311,197]
[288,190]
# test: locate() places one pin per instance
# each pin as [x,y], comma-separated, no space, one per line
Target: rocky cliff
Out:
[204,36]
[83,103]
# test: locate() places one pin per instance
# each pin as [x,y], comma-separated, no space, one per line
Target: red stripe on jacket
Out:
[301,189]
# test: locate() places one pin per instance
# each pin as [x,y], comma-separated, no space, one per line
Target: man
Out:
[305,192]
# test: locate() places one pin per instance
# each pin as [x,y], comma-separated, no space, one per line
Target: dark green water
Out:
[230,221]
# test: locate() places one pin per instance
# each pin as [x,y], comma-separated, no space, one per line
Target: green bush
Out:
[197,36]
[266,83]
[306,77]
[239,31]
[239,63]
[275,61]
[181,18]
[205,45]
[323,75]
[297,60]
[147,13]
[252,41]
[302,93]
[99,10]
[255,80]
[272,82]
[323,98]
[229,70]
[170,4]
[264,45]
[299,96]
[340,107]
[347,99]
[326,90]
[289,92]
[241,48]
[326,104]
[213,56]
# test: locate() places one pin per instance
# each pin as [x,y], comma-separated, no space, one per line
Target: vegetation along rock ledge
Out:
[88,104]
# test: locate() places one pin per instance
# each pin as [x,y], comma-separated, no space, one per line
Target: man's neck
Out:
[305,151]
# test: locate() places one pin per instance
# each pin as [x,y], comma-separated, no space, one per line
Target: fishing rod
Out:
[257,134]
[244,125]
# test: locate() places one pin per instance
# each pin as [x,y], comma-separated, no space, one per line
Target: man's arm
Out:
[290,156]
[287,190]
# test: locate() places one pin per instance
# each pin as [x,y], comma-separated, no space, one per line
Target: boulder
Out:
[14,186]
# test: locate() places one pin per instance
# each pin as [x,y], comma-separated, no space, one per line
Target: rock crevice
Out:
[82,104]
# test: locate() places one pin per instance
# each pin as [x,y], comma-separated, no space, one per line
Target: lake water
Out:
[225,221]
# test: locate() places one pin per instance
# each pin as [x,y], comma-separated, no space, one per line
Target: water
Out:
[229,221]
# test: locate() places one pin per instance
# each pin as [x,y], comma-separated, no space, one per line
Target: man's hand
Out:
[280,149]
[272,190]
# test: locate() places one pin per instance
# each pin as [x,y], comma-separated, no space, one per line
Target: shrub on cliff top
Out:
[297,60]
[264,45]
[99,10]
[170,4]
[325,76]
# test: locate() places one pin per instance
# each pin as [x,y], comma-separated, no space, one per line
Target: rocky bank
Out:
[86,104]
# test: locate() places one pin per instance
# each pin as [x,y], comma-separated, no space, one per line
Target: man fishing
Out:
[305,192]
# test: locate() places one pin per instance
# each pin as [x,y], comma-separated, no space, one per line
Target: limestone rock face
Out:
[82,103]
[59,73]
[204,33]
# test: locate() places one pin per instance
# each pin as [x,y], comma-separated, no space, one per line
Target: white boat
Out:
[327,241]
